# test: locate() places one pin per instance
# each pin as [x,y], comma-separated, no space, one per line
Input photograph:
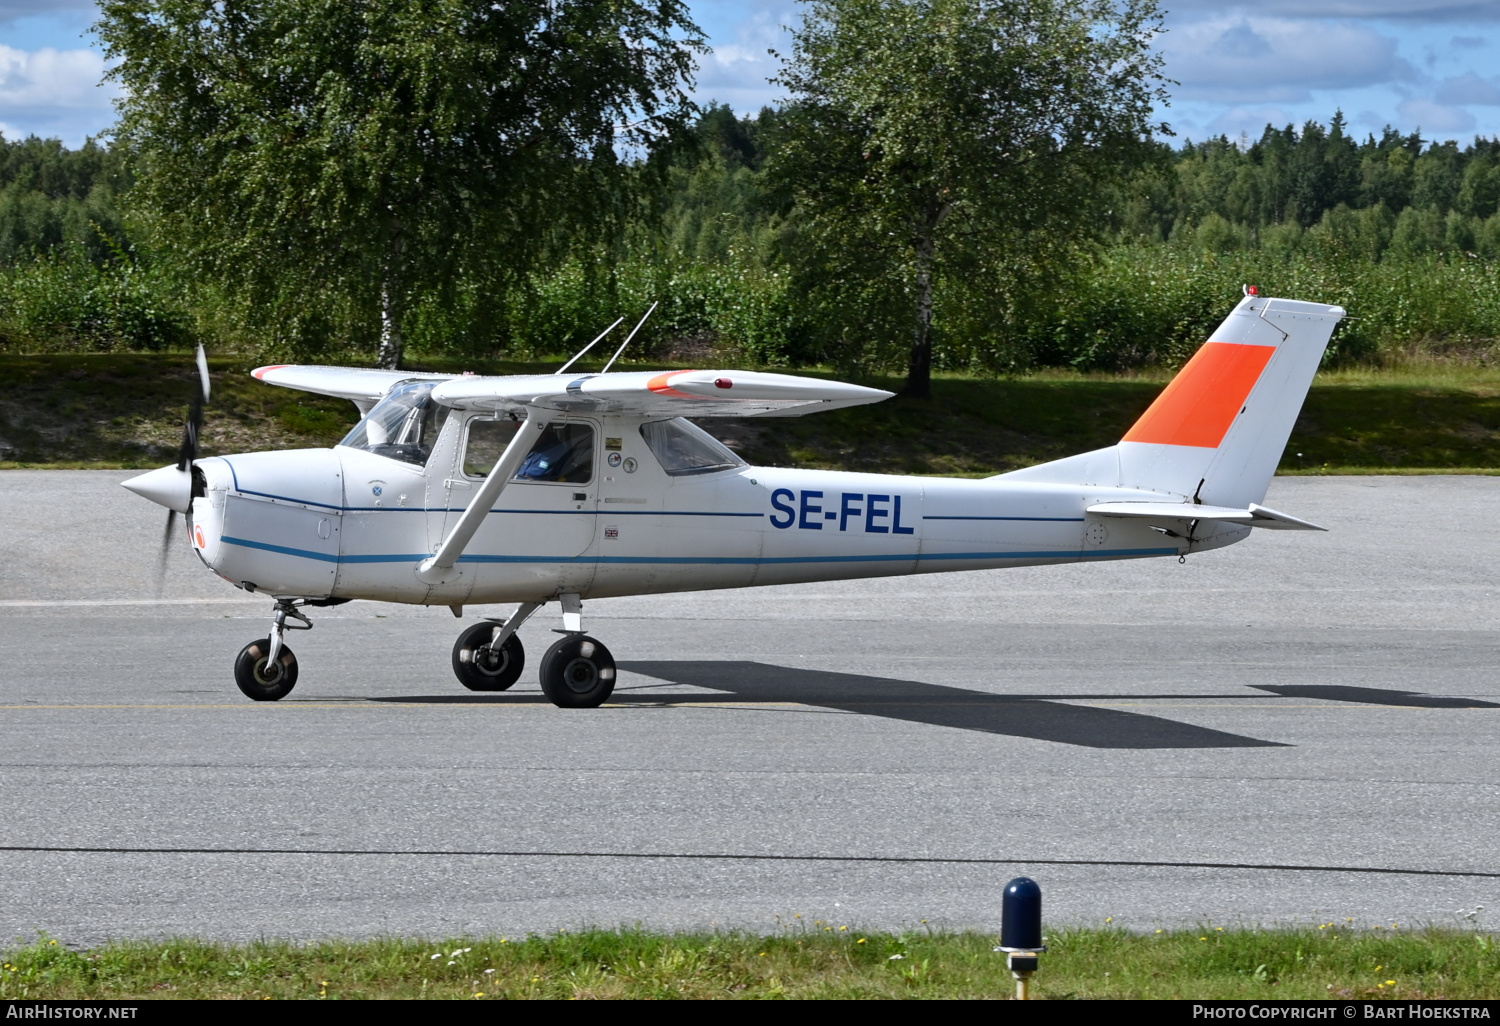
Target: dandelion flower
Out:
[860,941]
[762,954]
[843,928]
[480,994]
[1109,919]
[1390,983]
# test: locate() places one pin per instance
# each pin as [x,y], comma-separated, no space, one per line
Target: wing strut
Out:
[439,568]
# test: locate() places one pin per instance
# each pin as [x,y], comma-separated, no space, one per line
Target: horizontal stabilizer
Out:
[1254,516]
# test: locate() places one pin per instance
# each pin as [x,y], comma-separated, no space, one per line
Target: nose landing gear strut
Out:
[266,670]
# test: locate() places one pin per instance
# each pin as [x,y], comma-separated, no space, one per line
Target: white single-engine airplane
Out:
[456,490]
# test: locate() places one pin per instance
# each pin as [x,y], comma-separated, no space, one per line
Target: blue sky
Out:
[1428,64]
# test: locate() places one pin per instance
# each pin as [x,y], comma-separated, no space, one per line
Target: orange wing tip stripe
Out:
[259,373]
[660,385]
[1199,405]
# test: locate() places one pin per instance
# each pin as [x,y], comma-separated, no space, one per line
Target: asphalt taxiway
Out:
[1301,728]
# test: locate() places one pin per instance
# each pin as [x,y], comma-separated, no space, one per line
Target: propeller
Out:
[180,498]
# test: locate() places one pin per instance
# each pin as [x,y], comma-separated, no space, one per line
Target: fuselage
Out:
[345,523]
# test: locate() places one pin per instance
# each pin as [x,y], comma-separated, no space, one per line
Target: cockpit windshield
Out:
[403,426]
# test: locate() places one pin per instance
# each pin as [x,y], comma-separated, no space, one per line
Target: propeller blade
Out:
[203,370]
[189,449]
[193,429]
[166,544]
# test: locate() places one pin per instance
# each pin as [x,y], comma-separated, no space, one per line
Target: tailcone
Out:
[167,487]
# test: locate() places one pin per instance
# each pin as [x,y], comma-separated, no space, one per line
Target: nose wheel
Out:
[266,670]
[262,679]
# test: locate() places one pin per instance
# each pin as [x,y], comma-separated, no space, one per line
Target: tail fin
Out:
[1217,432]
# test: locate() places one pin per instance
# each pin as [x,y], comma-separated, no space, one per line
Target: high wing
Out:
[688,393]
[361,386]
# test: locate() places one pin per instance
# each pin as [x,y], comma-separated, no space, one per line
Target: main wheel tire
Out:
[261,682]
[578,673]
[479,668]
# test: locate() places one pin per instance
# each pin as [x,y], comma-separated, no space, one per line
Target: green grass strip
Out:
[808,959]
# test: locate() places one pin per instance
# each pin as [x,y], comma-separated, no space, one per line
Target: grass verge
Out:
[126,409]
[815,960]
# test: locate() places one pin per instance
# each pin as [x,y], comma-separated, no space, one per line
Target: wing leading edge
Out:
[690,393]
[361,386]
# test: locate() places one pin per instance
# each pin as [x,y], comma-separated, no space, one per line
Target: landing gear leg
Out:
[577,672]
[266,670]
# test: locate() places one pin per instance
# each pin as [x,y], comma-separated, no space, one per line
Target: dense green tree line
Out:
[1393,193]
[1404,232]
[52,197]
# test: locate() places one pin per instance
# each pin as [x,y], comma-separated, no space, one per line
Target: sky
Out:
[1428,65]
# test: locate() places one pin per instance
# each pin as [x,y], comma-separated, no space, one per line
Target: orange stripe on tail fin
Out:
[1199,405]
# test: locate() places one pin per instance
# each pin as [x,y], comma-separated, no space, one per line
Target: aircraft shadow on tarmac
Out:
[1373,696]
[1042,717]
[938,705]
[935,704]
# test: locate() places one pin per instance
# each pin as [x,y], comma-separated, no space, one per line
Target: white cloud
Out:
[1432,117]
[737,73]
[1468,89]
[10,10]
[1274,60]
[1248,121]
[54,92]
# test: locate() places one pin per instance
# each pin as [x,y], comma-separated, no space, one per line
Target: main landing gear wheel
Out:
[578,672]
[263,681]
[479,667]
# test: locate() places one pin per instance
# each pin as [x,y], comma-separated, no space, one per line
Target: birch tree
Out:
[290,151]
[927,137]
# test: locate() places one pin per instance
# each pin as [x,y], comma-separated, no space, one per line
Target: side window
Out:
[684,448]
[487,440]
[564,453]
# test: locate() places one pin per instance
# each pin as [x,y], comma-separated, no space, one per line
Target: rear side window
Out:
[564,453]
[683,448]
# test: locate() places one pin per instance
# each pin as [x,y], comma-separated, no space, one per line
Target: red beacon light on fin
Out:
[1252,290]
[723,383]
